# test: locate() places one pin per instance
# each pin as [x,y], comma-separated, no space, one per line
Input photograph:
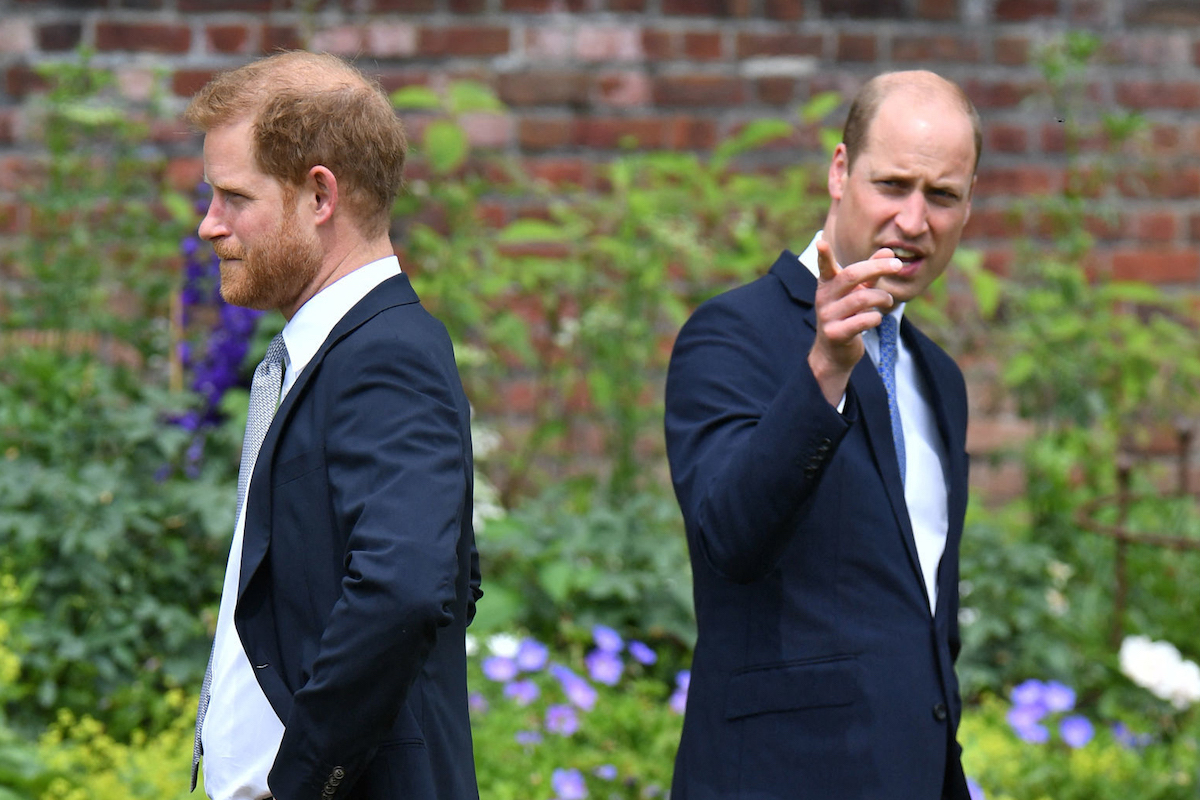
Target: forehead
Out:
[932,135]
[229,155]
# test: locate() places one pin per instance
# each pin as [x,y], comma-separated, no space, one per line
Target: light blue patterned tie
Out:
[889,334]
[264,398]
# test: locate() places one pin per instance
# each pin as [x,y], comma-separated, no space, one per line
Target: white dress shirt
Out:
[925,485]
[241,732]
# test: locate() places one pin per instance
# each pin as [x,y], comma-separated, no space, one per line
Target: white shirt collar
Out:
[310,326]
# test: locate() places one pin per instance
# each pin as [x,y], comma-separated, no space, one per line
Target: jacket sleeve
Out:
[397,465]
[748,433]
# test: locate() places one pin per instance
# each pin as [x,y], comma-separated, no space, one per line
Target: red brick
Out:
[1024,10]
[542,6]
[1026,180]
[60,36]
[1156,266]
[225,5]
[1158,94]
[777,91]
[543,88]
[1011,51]
[559,172]
[1162,12]
[1162,183]
[750,45]
[991,223]
[707,8]
[624,88]
[467,6]
[787,10]
[20,80]
[702,46]
[1006,138]
[1194,227]
[608,43]
[1155,226]
[186,82]
[1166,138]
[281,37]
[393,80]
[608,133]
[184,174]
[997,94]
[697,90]
[544,133]
[856,47]
[941,10]
[866,9]
[405,6]
[143,37]
[626,6]
[227,38]
[463,40]
[492,214]
[8,125]
[1087,11]
[691,133]
[659,45]
[935,48]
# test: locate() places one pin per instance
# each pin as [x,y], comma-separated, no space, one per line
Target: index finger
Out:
[826,263]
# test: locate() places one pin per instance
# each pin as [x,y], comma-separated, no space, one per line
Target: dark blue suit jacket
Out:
[359,573]
[819,671]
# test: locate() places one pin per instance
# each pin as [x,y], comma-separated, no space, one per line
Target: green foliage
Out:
[1007,768]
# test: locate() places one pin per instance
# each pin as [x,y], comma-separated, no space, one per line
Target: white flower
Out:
[568,330]
[1057,602]
[485,440]
[1159,667]
[504,645]
[1059,573]
[967,616]
[486,503]
[472,645]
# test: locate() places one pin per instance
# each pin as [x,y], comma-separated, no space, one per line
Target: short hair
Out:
[311,109]
[870,97]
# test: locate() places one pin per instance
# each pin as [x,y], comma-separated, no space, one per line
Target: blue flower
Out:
[641,653]
[499,668]
[607,639]
[477,703]
[1058,697]
[577,690]
[1076,731]
[974,790]
[524,692]
[605,772]
[568,784]
[528,738]
[604,667]
[1029,693]
[1128,738]
[532,655]
[562,719]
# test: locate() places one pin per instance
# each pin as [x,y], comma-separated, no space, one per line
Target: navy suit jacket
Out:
[819,671]
[359,573]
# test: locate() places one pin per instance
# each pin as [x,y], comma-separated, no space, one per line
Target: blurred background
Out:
[582,174]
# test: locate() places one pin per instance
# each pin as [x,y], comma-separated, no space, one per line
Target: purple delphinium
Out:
[604,667]
[562,719]
[532,655]
[607,639]
[477,703]
[1122,733]
[1058,697]
[577,689]
[975,792]
[605,772]
[524,692]
[528,738]
[678,701]
[1076,730]
[642,653]
[1026,722]
[1029,693]
[499,669]
[568,784]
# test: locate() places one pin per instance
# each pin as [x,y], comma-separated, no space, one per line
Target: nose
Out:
[211,227]
[913,217]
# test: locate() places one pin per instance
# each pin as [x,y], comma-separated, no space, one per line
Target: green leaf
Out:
[754,135]
[820,106]
[830,139]
[533,230]
[416,98]
[446,146]
[468,96]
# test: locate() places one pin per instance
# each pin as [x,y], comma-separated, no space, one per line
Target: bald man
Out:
[816,442]
[339,668]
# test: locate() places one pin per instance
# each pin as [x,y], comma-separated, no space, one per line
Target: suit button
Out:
[339,773]
[939,712]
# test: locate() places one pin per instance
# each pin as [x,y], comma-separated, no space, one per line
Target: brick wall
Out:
[580,75]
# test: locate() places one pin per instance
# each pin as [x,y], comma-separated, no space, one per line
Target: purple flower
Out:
[577,690]
[528,738]
[1076,731]
[568,784]
[532,655]
[607,639]
[1058,697]
[1034,734]
[562,719]
[605,772]
[477,703]
[678,701]
[524,692]
[641,653]
[974,790]
[683,680]
[1024,716]
[1029,693]
[499,669]
[604,667]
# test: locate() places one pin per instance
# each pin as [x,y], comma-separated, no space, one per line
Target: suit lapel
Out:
[394,291]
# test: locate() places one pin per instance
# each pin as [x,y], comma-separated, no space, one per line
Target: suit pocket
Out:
[299,466]
[792,686]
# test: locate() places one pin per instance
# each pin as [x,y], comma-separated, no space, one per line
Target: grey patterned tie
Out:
[264,398]
[889,334]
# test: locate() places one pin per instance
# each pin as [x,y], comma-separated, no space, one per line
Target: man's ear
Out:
[322,191]
[839,168]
